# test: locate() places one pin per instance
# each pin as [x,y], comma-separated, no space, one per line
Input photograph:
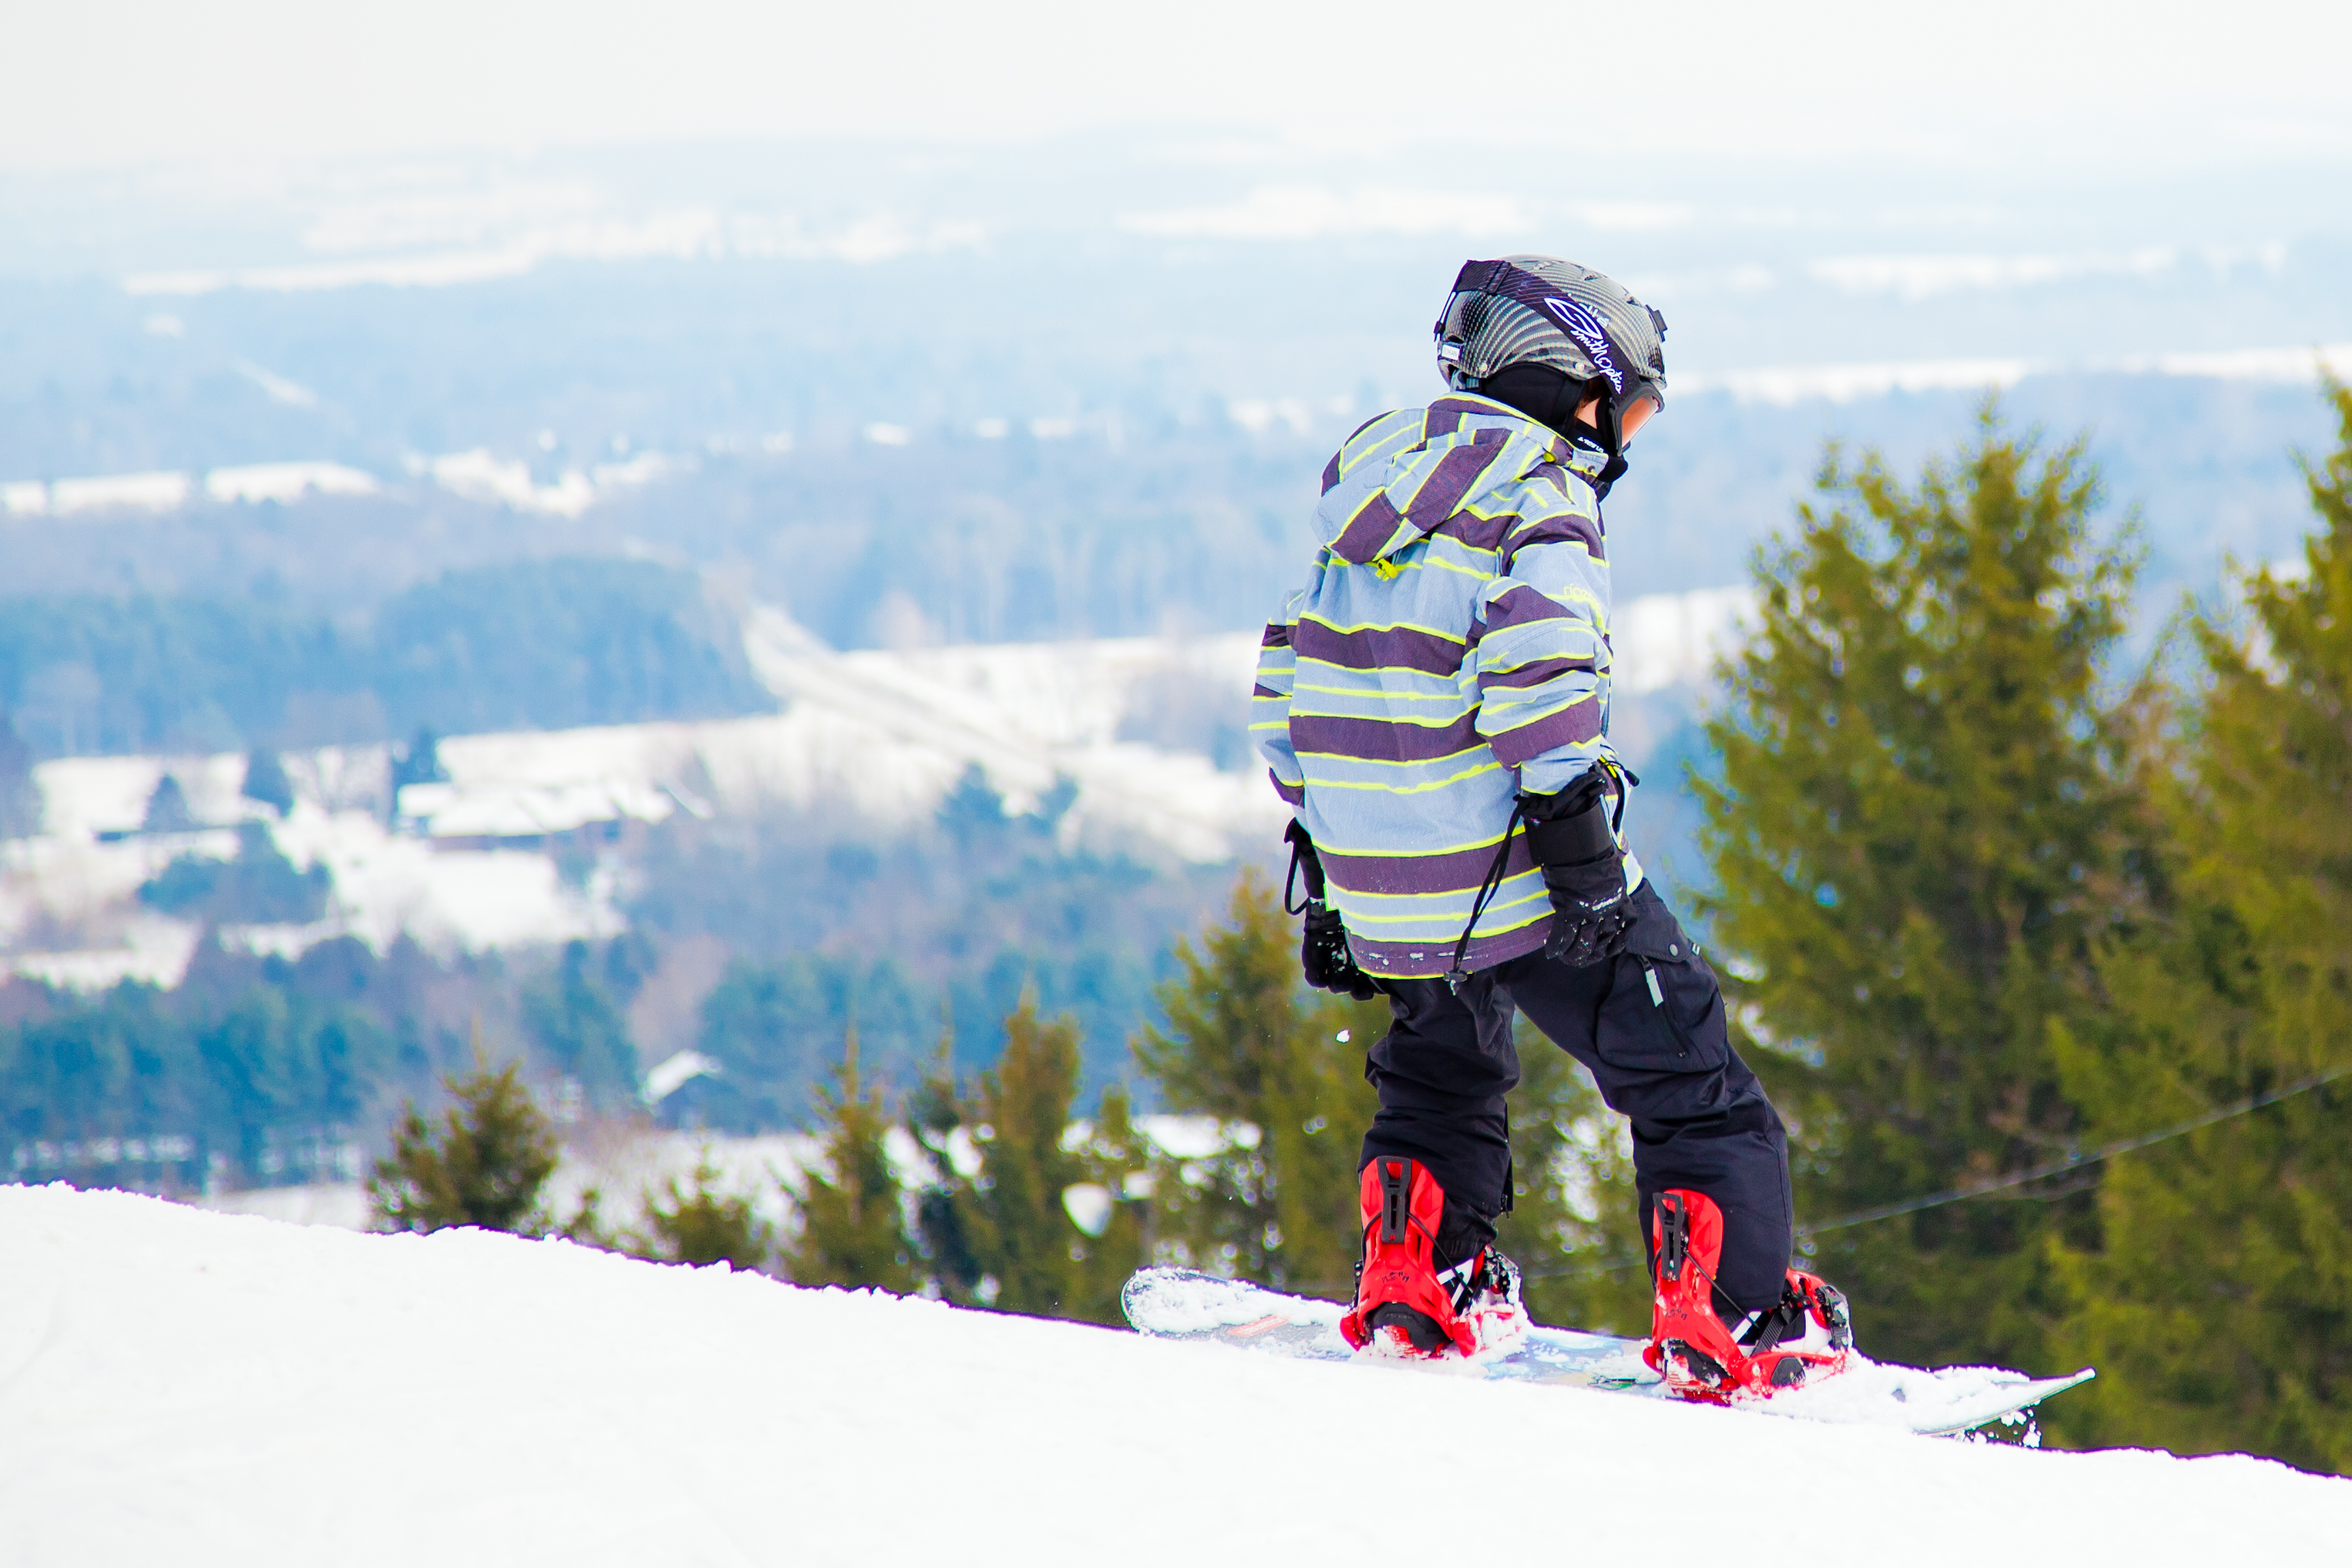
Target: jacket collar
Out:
[1581,452]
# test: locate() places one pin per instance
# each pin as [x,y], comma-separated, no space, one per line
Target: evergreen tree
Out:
[20,794]
[1247,1043]
[573,1018]
[419,761]
[485,1165]
[1113,1208]
[1573,1228]
[2220,1309]
[630,960]
[935,1115]
[258,886]
[975,1236]
[259,1073]
[1033,1217]
[1918,831]
[972,812]
[167,808]
[853,1230]
[701,1223]
[265,781]
[771,1028]
[1018,1115]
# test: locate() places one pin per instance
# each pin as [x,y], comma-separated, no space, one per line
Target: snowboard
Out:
[1183,1304]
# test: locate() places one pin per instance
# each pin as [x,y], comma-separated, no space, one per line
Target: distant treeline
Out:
[525,645]
[243,1073]
[258,1072]
[252,1071]
[829,926]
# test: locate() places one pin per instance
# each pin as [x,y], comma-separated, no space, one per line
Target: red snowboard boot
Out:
[1803,1337]
[1403,1302]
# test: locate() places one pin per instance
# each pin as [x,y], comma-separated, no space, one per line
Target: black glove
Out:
[1584,871]
[1323,951]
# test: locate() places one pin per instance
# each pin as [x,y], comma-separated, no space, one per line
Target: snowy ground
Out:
[197,1388]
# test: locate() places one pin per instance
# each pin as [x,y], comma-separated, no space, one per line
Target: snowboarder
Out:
[1433,705]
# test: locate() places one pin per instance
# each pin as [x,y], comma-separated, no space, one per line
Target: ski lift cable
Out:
[2002,1183]
[2075,1161]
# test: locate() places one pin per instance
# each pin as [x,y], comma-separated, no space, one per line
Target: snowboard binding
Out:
[1405,1304]
[1804,1337]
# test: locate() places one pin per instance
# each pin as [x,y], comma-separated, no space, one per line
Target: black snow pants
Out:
[1650,1026]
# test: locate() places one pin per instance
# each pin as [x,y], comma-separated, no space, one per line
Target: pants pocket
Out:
[1664,1011]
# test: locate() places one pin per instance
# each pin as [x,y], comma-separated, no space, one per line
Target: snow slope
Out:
[197,1388]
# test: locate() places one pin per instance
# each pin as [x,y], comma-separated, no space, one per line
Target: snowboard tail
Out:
[1183,1304]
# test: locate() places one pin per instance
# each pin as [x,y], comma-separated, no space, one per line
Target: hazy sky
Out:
[2043,82]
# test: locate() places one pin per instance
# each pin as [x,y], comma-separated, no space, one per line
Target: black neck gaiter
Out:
[1551,398]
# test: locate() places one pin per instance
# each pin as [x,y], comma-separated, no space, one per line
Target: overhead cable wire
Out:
[2002,1183]
[2075,1161]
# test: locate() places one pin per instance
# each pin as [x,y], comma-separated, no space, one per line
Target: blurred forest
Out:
[549,644]
[757,944]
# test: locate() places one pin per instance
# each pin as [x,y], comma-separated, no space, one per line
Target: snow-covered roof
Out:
[505,810]
[287,481]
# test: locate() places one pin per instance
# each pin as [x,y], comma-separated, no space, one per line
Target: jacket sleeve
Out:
[1277,668]
[1542,651]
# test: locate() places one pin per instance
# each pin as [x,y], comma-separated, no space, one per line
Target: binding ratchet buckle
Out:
[1396,1200]
[1674,1235]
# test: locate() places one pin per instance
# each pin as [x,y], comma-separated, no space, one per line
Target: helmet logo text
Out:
[1585,328]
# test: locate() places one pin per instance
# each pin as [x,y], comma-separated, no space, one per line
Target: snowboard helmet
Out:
[1542,310]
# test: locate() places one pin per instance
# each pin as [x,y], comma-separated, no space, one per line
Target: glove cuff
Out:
[1573,840]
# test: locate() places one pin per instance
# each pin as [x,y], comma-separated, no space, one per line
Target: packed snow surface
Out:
[1180,1303]
[200,1388]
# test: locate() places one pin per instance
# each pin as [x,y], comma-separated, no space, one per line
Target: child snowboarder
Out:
[1433,705]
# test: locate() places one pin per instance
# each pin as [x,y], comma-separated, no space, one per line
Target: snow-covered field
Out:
[199,1388]
[880,737]
[873,735]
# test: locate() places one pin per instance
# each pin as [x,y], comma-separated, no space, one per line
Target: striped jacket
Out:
[1450,651]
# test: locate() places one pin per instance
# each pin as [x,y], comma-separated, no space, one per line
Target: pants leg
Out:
[1651,1027]
[1442,1071]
